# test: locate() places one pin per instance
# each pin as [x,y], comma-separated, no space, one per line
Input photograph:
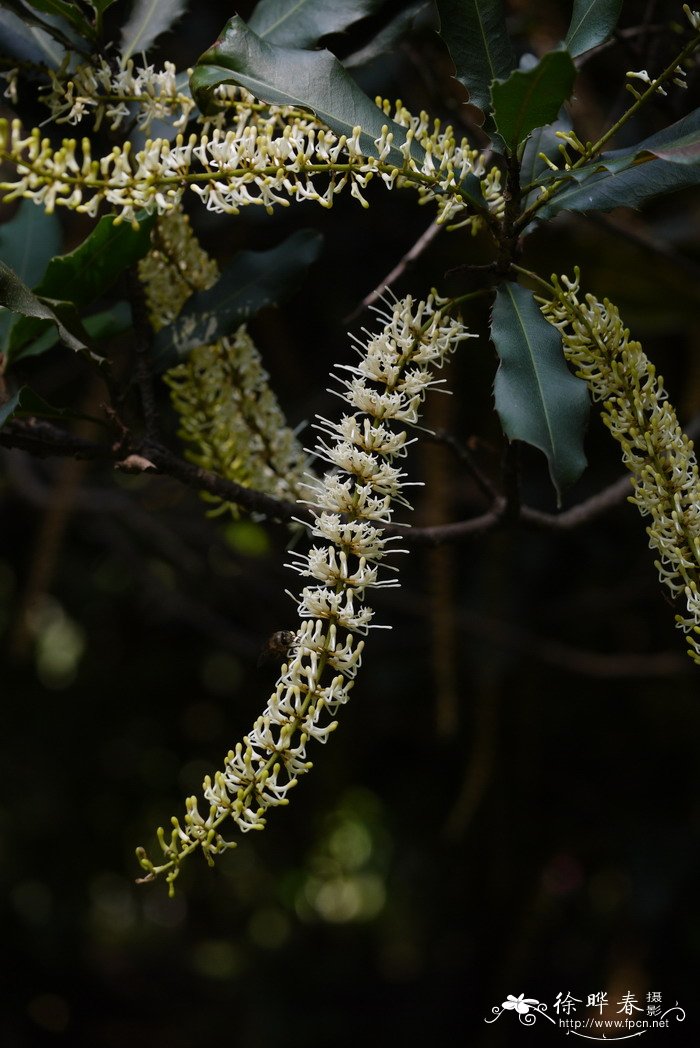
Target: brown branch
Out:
[43,439]
[424,240]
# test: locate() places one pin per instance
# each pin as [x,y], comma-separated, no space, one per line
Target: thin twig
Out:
[424,240]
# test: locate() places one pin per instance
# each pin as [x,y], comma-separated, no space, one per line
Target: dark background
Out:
[510,804]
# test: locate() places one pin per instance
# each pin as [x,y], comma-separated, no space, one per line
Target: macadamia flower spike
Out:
[660,457]
[355,499]
[229,416]
[265,157]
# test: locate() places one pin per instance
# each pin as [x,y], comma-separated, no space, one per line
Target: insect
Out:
[276,648]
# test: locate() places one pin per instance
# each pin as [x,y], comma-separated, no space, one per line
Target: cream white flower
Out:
[354,498]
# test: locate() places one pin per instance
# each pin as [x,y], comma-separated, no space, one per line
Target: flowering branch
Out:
[266,160]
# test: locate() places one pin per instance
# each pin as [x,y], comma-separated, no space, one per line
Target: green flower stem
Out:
[594,148]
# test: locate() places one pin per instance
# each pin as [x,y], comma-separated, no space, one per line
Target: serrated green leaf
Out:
[15,295]
[531,99]
[477,39]
[254,279]
[537,398]
[592,22]
[84,274]
[148,19]
[312,80]
[302,23]
[28,404]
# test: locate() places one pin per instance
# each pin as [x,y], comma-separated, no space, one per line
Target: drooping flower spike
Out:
[382,396]
[656,451]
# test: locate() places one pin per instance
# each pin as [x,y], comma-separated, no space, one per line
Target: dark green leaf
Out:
[92,268]
[254,279]
[84,274]
[148,19]
[31,39]
[28,404]
[475,33]
[29,241]
[309,79]
[527,100]
[632,187]
[69,11]
[388,37]
[538,400]
[542,141]
[102,325]
[15,295]
[302,23]
[592,22]
[631,176]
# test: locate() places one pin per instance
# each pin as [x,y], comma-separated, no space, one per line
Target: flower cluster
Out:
[655,450]
[384,392]
[118,92]
[174,268]
[232,421]
[228,414]
[266,156]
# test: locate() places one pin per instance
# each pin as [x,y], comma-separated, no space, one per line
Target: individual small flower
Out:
[692,16]
[660,457]
[265,766]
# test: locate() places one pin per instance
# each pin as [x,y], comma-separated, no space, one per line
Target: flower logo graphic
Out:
[521,1004]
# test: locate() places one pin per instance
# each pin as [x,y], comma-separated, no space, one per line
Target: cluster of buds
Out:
[229,416]
[655,450]
[355,501]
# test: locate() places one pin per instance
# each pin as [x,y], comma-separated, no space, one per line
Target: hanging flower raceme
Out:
[383,392]
[655,450]
[265,156]
[229,416]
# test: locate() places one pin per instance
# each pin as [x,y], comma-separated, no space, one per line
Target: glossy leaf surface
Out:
[537,398]
[475,33]
[302,23]
[531,99]
[592,22]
